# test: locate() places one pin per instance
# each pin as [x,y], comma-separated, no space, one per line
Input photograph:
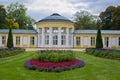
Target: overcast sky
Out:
[39,9]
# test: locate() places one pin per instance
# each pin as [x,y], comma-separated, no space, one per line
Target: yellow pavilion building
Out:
[56,31]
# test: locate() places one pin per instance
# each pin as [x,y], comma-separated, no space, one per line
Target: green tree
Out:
[116,18]
[85,20]
[10,39]
[99,43]
[3,16]
[106,18]
[17,12]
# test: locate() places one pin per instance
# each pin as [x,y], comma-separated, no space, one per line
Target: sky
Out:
[38,9]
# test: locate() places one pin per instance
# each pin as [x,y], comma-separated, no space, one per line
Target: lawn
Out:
[12,68]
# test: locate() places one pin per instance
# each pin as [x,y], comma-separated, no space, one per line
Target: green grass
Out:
[12,68]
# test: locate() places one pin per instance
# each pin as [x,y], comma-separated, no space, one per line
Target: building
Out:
[56,31]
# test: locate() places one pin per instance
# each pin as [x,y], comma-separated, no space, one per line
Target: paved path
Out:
[35,49]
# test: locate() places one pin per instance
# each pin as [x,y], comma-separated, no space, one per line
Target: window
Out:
[63,40]
[63,30]
[78,41]
[40,30]
[70,39]
[46,39]
[46,30]
[17,40]
[55,40]
[40,39]
[32,40]
[70,30]
[106,41]
[25,40]
[55,30]
[119,41]
[92,41]
[3,40]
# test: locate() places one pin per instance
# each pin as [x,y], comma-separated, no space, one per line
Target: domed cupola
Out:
[55,17]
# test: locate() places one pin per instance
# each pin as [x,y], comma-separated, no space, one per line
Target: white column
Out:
[50,36]
[59,37]
[21,42]
[67,37]
[14,41]
[74,42]
[43,37]
[89,41]
[28,41]
[81,42]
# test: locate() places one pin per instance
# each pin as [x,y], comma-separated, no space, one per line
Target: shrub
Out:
[10,39]
[54,56]
[4,52]
[99,43]
[106,53]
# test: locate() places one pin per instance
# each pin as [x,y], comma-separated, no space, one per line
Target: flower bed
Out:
[54,61]
[54,66]
[5,52]
[105,53]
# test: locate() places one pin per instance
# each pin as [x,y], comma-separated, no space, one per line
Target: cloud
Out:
[39,9]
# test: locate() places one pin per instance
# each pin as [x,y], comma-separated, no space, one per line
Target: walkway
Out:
[35,49]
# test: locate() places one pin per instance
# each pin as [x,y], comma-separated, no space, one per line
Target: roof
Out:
[55,17]
[95,31]
[18,31]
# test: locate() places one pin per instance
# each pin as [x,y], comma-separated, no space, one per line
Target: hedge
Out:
[105,53]
[5,52]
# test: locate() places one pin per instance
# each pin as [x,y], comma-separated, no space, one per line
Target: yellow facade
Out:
[55,24]
[22,40]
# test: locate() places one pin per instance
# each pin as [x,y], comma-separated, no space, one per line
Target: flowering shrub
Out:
[53,66]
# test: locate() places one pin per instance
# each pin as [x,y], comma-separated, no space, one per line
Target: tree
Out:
[107,18]
[99,43]
[17,12]
[10,39]
[3,17]
[116,18]
[85,20]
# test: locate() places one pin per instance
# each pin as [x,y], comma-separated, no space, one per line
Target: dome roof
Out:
[55,17]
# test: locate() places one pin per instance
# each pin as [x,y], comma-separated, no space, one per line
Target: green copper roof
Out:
[55,17]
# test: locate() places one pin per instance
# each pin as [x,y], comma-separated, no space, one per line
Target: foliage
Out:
[54,56]
[99,43]
[10,39]
[5,52]
[116,18]
[17,12]
[110,18]
[106,18]
[12,24]
[85,20]
[54,67]
[3,23]
[105,53]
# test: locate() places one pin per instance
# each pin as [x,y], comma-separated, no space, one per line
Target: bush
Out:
[106,53]
[4,52]
[54,56]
